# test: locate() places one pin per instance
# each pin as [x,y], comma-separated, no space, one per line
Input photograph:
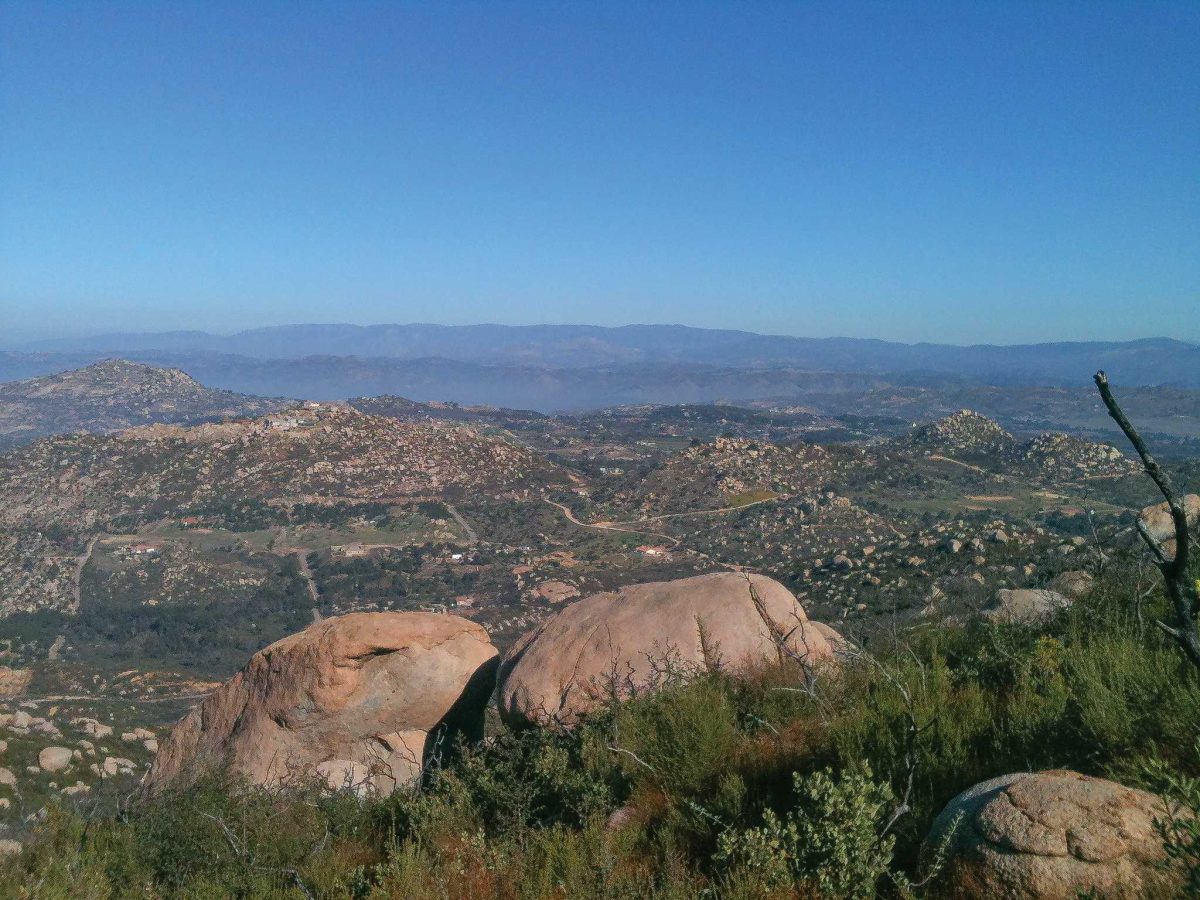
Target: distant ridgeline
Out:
[572,367]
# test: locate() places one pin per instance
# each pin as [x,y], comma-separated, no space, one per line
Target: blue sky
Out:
[959,172]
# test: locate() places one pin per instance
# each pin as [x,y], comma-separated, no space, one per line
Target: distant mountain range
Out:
[1152,361]
[568,367]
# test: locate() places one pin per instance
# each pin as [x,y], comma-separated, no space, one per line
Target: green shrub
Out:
[682,738]
[831,842]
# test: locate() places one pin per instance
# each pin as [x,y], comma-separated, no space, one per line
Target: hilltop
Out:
[114,394]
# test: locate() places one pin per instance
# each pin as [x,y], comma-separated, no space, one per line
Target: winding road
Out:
[609,526]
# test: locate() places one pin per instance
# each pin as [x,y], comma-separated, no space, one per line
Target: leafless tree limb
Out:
[1182,593]
[634,756]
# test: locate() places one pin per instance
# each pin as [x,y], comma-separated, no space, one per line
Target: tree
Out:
[1181,590]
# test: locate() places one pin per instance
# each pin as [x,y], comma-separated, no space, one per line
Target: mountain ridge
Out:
[1142,361]
[113,394]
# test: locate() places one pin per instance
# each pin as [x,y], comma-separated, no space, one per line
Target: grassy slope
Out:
[697,770]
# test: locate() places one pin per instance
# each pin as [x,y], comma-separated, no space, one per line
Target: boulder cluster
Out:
[364,700]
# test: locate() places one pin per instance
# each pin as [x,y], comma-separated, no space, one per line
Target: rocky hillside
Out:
[1067,457]
[59,493]
[964,432]
[112,395]
[1052,456]
[731,472]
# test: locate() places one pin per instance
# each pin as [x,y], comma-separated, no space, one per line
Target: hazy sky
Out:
[958,172]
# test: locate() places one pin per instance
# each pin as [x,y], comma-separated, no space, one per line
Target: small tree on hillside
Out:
[1181,589]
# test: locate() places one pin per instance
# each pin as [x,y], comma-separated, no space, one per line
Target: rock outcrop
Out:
[617,643]
[1051,836]
[353,700]
[1024,605]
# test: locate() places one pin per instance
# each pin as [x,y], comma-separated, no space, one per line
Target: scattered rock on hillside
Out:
[14,682]
[351,700]
[1065,456]
[1074,584]
[54,759]
[611,641]
[1051,836]
[1024,605]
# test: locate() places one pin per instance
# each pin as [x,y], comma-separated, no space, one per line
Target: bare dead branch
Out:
[1160,555]
[635,758]
[1182,592]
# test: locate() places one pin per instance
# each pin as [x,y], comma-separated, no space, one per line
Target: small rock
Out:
[114,764]
[1073,584]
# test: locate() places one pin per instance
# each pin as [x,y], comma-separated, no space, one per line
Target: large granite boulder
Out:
[353,700]
[1024,605]
[1053,835]
[617,643]
[1161,526]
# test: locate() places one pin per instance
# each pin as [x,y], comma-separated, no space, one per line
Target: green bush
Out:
[831,842]
[683,737]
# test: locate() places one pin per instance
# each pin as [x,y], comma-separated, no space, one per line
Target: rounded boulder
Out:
[54,759]
[1024,605]
[622,642]
[360,701]
[1053,835]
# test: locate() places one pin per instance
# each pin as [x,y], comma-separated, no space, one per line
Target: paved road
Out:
[709,512]
[56,647]
[610,526]
[80,564]
[472,535]
[306,574]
